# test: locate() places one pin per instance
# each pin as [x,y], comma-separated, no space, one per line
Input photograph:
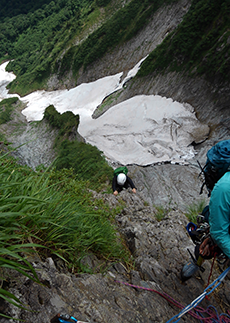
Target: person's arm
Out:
[130,182]
[219,218]
[114,185]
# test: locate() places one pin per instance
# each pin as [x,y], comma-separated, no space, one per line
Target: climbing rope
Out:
[199,312]
[207,291]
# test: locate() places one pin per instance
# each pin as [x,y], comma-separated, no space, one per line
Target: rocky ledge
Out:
[159,250]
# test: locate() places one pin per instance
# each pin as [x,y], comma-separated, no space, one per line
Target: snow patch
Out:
[142,130]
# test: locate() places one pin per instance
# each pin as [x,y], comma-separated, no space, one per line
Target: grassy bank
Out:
[52,214]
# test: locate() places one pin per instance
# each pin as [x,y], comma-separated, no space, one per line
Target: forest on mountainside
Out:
[11,8]
[199,45]
[43,41]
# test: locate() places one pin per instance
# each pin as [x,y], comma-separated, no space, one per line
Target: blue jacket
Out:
[219,218]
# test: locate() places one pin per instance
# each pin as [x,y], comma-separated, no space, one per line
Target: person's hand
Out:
[204,249]
[115,193]
[134,190]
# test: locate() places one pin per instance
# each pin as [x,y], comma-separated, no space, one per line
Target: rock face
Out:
[126,56]
[159,250]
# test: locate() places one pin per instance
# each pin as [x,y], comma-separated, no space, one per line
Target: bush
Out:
[87,162]
[65,122]
[6,109]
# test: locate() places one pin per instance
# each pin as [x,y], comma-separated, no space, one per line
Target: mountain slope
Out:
[158,248]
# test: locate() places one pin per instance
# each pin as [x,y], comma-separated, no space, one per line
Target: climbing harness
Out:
[205,248]
[198,311]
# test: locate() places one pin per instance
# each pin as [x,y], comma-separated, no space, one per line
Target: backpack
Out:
[217,164]
[119,170]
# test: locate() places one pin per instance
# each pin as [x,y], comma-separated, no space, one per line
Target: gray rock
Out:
[159,251]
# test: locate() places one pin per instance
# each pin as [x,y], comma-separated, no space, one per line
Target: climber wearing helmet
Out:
[122,181]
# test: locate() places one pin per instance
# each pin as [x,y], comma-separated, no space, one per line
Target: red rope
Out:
[169,299]
[174,302]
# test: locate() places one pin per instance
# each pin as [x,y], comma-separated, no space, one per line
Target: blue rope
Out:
[194,303]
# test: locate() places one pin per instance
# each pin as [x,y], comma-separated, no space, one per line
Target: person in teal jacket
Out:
[219,214]
[219,221]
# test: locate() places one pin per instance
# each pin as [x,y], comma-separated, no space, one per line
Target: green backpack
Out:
[119,170]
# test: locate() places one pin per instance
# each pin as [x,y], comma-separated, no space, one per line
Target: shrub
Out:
[65,122]
[87,162]
[6,109]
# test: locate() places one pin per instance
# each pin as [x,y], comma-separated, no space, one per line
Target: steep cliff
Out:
[154,293]
[159,248]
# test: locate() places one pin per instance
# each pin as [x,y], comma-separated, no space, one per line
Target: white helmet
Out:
[121,179]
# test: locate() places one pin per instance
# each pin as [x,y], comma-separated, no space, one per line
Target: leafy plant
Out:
[6,109]
[102,3]
[86,160]
[66,122]
[194,209]
[51,213]
[41,42]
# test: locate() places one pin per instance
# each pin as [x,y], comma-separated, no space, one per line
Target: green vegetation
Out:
[87,161]
[200,44]
[102,3]
[161,212]
[10,8]
[35,40]
[121,27]
[195,209]
[110,100]
[35,37]
[6,109]
[66,122]
[52,213]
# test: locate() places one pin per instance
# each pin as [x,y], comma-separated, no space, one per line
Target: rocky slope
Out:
[159,249]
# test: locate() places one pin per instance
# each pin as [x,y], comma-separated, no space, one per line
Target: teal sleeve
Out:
[219,218]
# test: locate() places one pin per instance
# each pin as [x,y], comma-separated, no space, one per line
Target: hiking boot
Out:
[189,270]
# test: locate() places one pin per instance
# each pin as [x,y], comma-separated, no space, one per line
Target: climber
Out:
[216,243]
[211,236]
[122,181]
[219,214]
